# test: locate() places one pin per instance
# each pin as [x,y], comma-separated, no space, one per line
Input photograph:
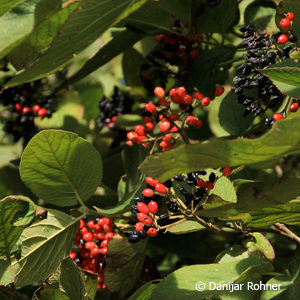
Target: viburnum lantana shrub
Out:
[149,149]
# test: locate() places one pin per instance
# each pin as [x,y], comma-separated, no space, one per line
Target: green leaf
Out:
[224,189]
[208,63]
[183,283]
[289,284]
[218,18]
[287,74]
[16,24]
[40,38]
[129,120]
[261,15]
[279,141]
[10,152]
[71,280]
[46,241]
[131,65]
[6,5]
[184,226]
[10,293]
[124,264]
[116,46]
[7,274]
[15,211]
[61,168]
[231,116]
[145,291]
[76,34]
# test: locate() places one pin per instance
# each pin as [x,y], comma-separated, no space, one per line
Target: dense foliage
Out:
[149,149]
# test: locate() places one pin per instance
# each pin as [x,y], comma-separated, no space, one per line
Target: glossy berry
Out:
[201,183]
[152,232]
[159,92]
[139,129]
[283,38]
[163,102]
[25,110]
[160,188]
[151,108]
[164,126]
[18,107]
[227,171]
[42,112]
[198,95]
[103,250]
[294,107]
[148,193]
[36,108]
[187,99]
[139,226]
[142,207]
[205,101]
[131,135]
[219,91]
[190,120]
[144,219]
[152,207]
[290,16]
[197,123]
[151,181]
[285,24]
[277,117]
[88,236]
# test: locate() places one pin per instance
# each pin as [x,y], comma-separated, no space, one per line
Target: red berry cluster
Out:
[166,116]
[92,238]
[286,24]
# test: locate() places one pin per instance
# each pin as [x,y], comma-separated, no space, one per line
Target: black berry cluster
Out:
[110,109]
[91,241]
[25,103]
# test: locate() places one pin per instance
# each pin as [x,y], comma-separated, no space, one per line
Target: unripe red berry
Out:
[160,188]
[198,95]
[139,226]
[294,107]
[290,16]
[205,101]
[209,185]
[152,232]
[148,193]
[201,183]
[159,92]
[187,99]
[219,91]
[173,117]
[151,181]
[176,98]
[277,117]
[132,136]
[25,110]
[153,207]
[190,120]
[42,112]
[164,126]
[88,236]
[151,108]
[142,207]
[139,129]
[144,219]
[285,24]
[197,123]
[283,38]
[227,171]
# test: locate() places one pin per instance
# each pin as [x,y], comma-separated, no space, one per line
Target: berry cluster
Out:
[110,108]
[92,238]
[146,206]
[167,116]
[262,52]
[26,103]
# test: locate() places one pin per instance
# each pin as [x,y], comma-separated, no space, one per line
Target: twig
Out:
[286,232]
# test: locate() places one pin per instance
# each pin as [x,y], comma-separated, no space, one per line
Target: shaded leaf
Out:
[5,5]
[145,291]
[184,226]
[7,274]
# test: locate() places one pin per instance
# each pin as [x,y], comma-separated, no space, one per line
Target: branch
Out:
[286,232]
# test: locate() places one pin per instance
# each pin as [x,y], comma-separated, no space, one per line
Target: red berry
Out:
[174,128]
[173,117]
[201,183]
[167,138]
[151,181]
[160,188]
[285,24]
[142,207]
[139,226]
[139,129]
[187,99]
[129,143]
[152,232]
[42,112]
[180,90]
[163,102]
[131,135]
[277,117]
[26,110]
[159,37]
[151,107]
[72,254]
[159,92]
[148,193]
[109,236]
[144,219]
[88,236]
[18,107]
[205,101]
[172,92]
[294,107]
[90,245]
[197,123]
[149,126]
[142,138]
[36,108]
[104,221]
[164,126]
[95,251]
[209,185]
[91,224]
[84,230]
[190,120]
[198,95]
[163,144]
[103,250]
[175,98]
[153,207]
[227,171]
[290,16]
[108,227]
[283,38]
[219,91]
[194,54]
[82,223]
[104,243]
